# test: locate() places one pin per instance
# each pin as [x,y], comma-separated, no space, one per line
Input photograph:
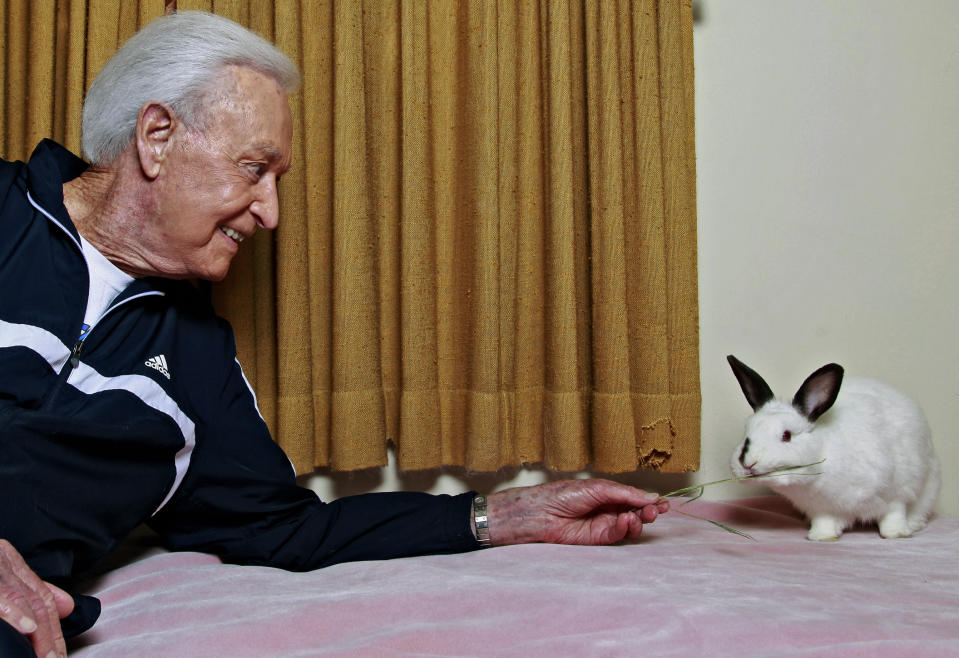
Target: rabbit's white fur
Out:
[878,462]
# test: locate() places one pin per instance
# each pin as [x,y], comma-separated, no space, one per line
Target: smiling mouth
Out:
[233,235]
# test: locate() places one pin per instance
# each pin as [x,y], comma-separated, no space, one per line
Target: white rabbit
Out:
[875,445]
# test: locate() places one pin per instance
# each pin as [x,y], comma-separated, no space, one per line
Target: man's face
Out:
[220,183]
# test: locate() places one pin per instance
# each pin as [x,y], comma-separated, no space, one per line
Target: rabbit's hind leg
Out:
[919,513]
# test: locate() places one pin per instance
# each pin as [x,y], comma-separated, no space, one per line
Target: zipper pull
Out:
[78,346]
[75,354]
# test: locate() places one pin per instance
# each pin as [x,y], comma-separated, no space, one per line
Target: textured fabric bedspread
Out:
[686,589]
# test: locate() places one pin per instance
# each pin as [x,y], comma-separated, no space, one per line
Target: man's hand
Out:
[571,512]
[30,605]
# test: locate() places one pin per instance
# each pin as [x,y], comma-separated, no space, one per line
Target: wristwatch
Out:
[481,521]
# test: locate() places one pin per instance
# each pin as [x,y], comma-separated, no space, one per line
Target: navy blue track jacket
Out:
[150,419]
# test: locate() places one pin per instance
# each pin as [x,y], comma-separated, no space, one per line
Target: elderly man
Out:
[121,401]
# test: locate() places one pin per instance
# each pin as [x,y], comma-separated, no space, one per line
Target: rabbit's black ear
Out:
[818,393]
[754,387]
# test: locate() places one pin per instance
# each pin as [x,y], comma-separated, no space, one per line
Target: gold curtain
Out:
[51,52]
[487,246]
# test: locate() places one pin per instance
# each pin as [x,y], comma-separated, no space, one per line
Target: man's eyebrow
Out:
[269,151]
[273,155]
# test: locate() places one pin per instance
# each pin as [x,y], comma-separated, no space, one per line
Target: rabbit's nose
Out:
[742,454]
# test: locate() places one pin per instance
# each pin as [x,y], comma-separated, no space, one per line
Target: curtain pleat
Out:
[566,375]
[487,244]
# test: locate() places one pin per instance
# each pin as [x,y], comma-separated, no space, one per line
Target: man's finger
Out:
[617,492]
[62,600]
[47,638]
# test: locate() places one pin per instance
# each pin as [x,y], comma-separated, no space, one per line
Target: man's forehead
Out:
[243,87]
[251,107]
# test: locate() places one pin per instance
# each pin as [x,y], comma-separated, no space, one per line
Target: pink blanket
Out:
[686,589]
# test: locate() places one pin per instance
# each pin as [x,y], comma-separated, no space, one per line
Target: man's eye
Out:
[257,168]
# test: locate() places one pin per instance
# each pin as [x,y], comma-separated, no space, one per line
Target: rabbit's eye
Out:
[787,436]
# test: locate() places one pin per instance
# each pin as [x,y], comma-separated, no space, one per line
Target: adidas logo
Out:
[158,363]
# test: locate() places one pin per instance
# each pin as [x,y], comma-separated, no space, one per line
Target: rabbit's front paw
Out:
[825,528]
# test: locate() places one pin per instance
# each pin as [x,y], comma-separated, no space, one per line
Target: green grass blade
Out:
[780,471]
[721,525]
[696,491]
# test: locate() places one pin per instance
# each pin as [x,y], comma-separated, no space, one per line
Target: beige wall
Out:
[828,193]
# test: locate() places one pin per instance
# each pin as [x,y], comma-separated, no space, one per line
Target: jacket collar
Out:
[50,166]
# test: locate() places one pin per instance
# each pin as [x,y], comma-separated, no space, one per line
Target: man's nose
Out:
[266,205]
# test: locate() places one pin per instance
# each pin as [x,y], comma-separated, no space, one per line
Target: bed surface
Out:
[686,588]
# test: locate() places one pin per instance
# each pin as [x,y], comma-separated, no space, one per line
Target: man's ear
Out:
[154,133]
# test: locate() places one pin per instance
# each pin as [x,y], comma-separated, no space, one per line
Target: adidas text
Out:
[159,364]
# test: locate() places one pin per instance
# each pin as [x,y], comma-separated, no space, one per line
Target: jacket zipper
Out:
[75,353]
[74,359]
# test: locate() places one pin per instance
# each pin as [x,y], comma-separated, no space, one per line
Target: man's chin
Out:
[216,271]
[216,277]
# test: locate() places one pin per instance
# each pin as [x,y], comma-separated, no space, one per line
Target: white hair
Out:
[175,60]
